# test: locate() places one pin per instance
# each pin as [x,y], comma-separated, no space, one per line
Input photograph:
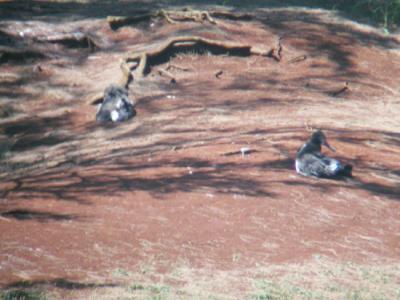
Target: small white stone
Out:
[245,150]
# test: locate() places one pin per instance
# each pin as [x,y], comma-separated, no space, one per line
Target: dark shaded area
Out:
[78,40]
[35,132]
[139,17]
[7,39]
[19,56]
[15,50]
[123,169]
[200,48]
[318,41]
[24,215]
[58,283]
[73,186]
[58,12]
[380,190]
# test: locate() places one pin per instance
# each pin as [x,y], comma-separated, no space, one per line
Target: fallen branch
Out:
[297,59]
[143,59]
[342,90]
[172,66]
[218,74]
[171,16]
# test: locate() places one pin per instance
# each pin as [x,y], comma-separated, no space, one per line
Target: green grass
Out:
[269,290]
[22,295]
[153,292]
[328,280]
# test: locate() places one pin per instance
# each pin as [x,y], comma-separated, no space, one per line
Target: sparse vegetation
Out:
[151,291]
[22,295]
[385,12]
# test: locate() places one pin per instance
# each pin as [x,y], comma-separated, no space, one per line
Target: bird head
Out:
[318,138]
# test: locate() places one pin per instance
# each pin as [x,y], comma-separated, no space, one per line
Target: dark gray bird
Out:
[116,105]
[311,162]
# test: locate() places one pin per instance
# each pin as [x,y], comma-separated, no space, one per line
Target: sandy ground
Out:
[165,205]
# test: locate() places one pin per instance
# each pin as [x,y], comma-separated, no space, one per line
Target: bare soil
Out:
[167,198]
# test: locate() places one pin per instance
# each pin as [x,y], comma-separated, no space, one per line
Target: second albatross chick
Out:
[311,162]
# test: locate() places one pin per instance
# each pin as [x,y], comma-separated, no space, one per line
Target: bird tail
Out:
[347,171]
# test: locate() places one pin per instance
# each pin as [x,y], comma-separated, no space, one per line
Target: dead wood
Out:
[143,60]
[186,14]
[218,74]
[175,16]
[173,66]
[171,16]
[297,59]
[342,90]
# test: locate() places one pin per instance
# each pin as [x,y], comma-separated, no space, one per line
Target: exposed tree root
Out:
[187,14]
[164,51]
[276,52]
[175,16]
[143,61]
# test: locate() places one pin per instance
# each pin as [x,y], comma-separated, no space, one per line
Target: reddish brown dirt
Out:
[80,200]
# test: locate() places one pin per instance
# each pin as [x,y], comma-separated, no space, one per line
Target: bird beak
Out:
[329,147]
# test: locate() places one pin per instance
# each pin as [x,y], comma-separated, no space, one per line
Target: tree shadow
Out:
[317,34]
[61,283]
[193,175]
[44,217]
[35,132]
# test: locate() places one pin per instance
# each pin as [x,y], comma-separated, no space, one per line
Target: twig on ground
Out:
[297,59]
[218,74]
[164,72]
[173,66]
[342,90]
[276,52]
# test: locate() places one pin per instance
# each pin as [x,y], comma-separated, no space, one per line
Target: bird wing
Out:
[319,165]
